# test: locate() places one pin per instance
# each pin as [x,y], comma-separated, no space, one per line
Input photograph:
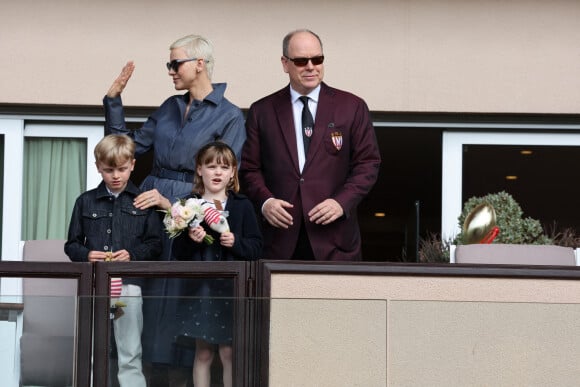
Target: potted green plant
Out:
[513,227]
[520,239]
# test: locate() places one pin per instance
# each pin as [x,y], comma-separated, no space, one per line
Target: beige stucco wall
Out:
[353,330]
[405,55]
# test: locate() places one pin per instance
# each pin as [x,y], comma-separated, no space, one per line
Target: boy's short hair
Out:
[115,150]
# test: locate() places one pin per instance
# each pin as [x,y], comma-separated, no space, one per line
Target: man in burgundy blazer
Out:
[308,201]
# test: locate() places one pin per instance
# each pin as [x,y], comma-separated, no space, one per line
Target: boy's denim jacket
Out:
[102,222]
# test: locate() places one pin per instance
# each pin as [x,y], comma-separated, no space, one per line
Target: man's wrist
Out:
[264,205]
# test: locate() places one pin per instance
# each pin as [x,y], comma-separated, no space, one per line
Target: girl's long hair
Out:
[221,153]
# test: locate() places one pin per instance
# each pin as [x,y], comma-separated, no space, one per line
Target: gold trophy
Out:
[479,225]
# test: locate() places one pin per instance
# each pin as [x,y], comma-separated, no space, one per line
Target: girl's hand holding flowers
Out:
[189,214]
[197,234]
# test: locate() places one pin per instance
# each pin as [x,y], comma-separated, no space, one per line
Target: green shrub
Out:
[513,228]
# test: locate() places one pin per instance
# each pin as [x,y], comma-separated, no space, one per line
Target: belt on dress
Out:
[184,176]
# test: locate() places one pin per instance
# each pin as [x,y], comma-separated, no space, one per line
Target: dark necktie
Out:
[307,124]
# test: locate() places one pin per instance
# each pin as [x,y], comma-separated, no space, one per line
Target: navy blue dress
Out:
[206,309]
[175,140]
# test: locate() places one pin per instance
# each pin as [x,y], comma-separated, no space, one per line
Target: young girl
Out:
[208,318]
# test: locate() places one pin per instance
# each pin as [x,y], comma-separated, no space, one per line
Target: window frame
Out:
[452,164]
[15,130]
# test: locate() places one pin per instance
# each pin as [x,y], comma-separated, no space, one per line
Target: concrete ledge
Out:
[515,254]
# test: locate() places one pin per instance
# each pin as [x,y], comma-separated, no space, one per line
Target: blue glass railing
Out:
[295,323]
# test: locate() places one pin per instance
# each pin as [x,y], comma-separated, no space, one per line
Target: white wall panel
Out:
[399,55]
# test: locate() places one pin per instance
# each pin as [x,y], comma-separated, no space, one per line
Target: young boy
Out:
[105,225]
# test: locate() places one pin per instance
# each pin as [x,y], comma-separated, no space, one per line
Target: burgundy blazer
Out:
[342,163]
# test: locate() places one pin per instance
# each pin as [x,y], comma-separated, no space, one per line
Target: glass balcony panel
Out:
[200,319]
[39,333]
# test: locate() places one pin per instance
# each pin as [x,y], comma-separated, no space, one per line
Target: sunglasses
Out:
[301,62]
[175,63]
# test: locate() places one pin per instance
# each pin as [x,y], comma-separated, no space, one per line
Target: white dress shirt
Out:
[297,107]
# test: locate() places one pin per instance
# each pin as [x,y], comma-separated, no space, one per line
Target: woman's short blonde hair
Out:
[199,47]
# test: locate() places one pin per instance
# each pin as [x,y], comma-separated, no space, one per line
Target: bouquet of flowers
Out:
[190,213]
[183,214]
